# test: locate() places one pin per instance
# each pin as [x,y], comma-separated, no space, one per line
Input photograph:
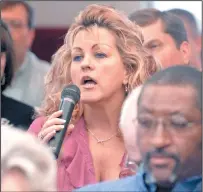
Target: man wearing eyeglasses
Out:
[169,134]
[27,85]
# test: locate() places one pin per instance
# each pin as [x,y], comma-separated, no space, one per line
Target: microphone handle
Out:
[56,142]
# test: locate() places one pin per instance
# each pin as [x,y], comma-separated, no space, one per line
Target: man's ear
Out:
[198,42]
[185,49]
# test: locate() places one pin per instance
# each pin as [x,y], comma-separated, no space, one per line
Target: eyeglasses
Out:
[174,124]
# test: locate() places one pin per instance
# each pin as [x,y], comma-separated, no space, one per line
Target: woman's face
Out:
[3,62]
[97,68]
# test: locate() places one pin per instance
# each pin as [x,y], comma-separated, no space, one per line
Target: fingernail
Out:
[72,126]
[60,110]
[63,121]
[61,126]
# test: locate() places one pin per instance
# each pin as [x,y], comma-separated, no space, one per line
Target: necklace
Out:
[102,140]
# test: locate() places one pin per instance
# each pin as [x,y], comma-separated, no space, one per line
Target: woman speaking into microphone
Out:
[103,55]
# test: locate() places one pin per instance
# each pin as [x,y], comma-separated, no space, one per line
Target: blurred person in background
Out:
[16,112]
[169,134]
[164,36]
[26,165]
[29,71]
[133,158]
[103,54]
[193,33]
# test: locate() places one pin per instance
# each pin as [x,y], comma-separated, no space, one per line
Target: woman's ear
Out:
[126,77]
[125,81]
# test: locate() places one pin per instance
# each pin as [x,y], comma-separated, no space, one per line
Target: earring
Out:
[126,89]
[3,80]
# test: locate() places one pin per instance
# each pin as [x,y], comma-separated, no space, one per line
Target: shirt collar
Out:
[186,185]
[24,65]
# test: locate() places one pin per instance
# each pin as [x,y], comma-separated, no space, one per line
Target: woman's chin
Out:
[89,99]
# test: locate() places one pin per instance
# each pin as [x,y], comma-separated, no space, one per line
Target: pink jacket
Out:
[75,164]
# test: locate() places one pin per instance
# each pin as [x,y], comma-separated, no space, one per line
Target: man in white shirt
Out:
[28,82]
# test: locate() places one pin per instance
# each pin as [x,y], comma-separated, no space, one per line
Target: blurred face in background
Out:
[128,125]
[195,42]
[16,18]
[14,180]
[163,46]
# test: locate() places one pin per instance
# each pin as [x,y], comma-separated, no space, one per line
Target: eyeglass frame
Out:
[163,121]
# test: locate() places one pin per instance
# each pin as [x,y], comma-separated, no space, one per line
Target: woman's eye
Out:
[154,46]
[77,58]
[100,55]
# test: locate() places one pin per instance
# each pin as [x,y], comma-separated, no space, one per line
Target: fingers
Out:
[52,125]
[50,132]
[70,129]
[51,129]
[56,114]
[48,136]
[54,121]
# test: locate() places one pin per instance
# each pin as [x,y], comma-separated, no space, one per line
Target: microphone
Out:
[69,98]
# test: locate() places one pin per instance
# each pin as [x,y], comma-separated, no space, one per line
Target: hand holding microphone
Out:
[53,124]
[55,127]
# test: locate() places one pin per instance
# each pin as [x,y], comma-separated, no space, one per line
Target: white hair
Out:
[127,124]
[20,149]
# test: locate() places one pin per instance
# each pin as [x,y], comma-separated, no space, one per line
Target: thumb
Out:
[70,129]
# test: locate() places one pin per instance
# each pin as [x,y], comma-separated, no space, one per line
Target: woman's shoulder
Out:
[36,125]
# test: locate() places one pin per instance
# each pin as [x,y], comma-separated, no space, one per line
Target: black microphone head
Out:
[71,91]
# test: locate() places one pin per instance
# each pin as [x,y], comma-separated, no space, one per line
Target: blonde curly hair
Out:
[129,40]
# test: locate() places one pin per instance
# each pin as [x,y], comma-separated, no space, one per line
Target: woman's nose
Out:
[87,63]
